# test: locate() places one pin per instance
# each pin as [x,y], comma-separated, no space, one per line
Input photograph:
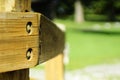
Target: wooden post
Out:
[54,68]
[49,41]
[16,6]
[15,75]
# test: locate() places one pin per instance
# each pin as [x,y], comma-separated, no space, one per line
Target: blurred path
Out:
[98,72]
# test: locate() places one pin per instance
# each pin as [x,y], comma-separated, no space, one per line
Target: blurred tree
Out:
[79,13]
[110,8]
[65,7]
[46,7]
[51,8]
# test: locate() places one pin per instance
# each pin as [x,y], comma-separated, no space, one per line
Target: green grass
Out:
[96,17]
[88,48]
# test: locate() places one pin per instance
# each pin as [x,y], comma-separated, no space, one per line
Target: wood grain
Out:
[54,68]
[15,41]
[45,39]
[15,75]
[15,5]
[10,6]
[52,39]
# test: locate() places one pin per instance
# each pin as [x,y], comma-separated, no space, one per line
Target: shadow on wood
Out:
[52,39]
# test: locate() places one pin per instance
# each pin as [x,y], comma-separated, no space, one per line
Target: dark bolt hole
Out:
[28,27]
[29,54]
[26,11]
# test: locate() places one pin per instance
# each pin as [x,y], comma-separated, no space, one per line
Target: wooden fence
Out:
[26,40]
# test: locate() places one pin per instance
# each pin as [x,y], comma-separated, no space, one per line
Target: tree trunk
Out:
[79,13]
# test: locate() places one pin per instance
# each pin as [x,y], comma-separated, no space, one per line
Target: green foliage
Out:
[98,6]
[109,8]
[117,4]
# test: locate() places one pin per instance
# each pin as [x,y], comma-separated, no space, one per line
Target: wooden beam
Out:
[24,43]
[25,39]
[54,68]
[15,5]
[19,40]
[9,6]
[24,6]
[52,39]
[15,75]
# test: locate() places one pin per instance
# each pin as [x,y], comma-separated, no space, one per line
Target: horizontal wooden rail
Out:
[27,39]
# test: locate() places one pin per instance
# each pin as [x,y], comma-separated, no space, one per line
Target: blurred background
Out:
[92,50]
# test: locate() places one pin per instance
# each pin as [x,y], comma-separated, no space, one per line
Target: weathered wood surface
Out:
[15,5]
[9,6]
[45,40]
[18,47]
[52,39]
[15,75]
